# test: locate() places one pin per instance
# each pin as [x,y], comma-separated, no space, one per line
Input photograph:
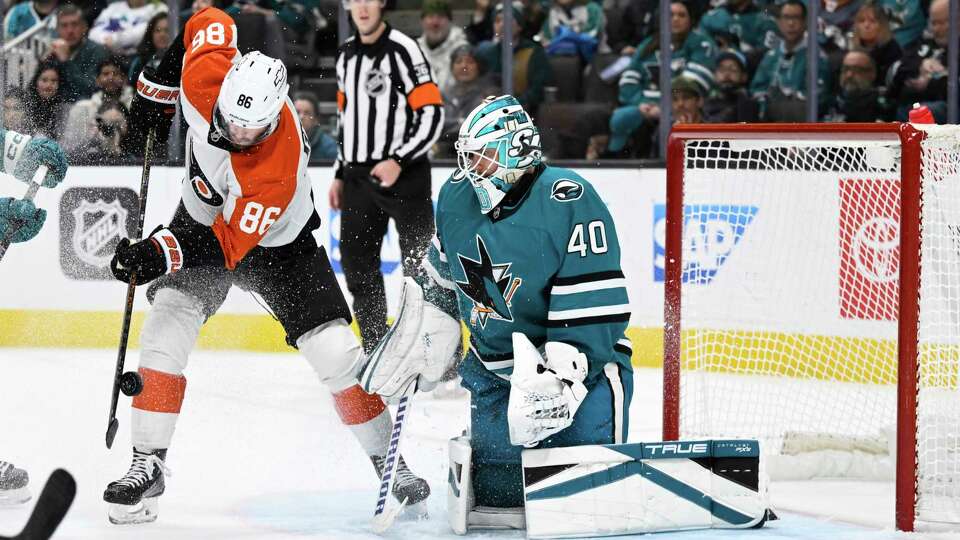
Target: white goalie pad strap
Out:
[545,393]
[423,341]
[461,512]
[459,484]
[643,488]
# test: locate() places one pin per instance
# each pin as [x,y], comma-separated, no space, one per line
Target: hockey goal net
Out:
[812,300]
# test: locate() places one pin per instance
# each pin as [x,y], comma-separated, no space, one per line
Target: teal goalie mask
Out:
[497,143]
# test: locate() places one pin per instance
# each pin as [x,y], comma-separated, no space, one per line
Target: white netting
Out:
[938,397]
[789,303]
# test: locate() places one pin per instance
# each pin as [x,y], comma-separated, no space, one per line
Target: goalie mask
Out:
[251,97]
[497,144]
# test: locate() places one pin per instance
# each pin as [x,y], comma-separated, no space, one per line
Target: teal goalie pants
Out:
[602,418]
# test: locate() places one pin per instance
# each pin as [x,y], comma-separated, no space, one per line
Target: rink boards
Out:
[57,291]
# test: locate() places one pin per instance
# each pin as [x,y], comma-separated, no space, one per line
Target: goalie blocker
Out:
[604,490]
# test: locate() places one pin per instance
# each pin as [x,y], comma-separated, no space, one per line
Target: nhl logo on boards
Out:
[376,83]
[92,221]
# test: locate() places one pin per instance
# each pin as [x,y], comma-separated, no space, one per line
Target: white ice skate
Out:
[13,485]
[134,498]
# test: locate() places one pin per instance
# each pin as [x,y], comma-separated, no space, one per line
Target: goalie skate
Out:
[407,487]
[134,498]
[13,485]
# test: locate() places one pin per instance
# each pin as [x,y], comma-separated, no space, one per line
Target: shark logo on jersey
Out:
[566,190]
[489,285]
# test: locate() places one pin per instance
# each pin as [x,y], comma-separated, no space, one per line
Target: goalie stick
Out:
[130,382]
[31,193]
[52,505]
[383,519]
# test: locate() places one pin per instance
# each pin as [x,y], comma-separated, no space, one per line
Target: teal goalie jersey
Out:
[544,262]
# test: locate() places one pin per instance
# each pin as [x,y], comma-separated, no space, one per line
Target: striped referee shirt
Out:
[389,104]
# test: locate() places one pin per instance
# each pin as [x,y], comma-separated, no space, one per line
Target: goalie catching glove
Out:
[423,342]
[545,393]
[150,258]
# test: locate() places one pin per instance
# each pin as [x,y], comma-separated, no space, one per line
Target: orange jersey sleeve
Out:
[267,177]
[210,38]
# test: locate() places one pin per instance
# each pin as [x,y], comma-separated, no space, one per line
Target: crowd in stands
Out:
[588,70]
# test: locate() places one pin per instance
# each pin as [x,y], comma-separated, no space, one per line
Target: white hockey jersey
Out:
[260,196]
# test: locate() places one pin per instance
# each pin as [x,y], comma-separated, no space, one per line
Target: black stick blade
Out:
[112,431]
[51,507]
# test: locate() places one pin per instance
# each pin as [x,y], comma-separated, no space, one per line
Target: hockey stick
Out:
[31,193]
[52,505]
[130,382]
[382,519]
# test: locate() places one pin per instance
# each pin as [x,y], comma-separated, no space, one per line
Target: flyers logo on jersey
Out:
[201,186]
[157,92]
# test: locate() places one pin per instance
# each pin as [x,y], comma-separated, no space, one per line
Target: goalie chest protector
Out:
[545,262]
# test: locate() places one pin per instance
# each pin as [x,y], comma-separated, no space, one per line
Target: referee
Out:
[390,114]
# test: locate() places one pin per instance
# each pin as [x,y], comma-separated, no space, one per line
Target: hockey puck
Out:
[131,384]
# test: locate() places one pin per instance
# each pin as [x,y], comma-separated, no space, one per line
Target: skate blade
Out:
[414,512]
[145,511]
[14,497]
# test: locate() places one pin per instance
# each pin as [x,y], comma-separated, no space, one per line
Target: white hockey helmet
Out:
[252,95]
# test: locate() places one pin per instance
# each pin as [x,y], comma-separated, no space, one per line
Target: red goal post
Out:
[714,150]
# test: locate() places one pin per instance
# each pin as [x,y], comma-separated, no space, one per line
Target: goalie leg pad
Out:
[643,488]
[423,341]
[462,512]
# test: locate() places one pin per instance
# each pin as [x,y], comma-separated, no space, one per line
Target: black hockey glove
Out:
[153,107]
[149,258]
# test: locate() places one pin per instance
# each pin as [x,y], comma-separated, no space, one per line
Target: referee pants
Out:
[365,210]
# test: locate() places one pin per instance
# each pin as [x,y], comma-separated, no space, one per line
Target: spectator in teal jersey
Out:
[693,57]
[25,16]
[322,145]
[581,16]
[77,57]
[780,82]
[531,70]
[753,29]
[297,15]
[906,20]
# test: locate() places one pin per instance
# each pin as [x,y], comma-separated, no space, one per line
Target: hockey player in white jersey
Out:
[246,218]
[22,220]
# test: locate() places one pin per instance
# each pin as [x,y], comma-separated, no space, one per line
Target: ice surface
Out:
[259,453]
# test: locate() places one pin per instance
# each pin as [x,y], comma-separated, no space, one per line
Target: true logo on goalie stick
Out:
[489,285]
[710,234]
